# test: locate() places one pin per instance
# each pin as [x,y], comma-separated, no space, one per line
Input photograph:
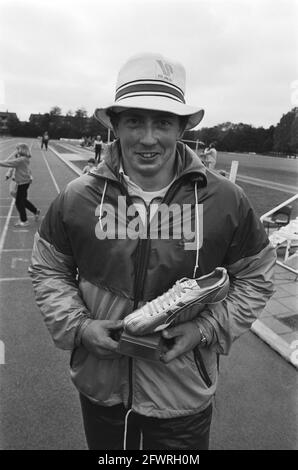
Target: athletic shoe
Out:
[174,306]
[37,214]
[21,224]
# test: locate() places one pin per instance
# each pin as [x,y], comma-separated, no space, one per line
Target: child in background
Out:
[91,164]
[23,178]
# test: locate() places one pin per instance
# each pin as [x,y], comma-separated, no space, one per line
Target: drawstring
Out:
[125,429]
[125,433]
[141,440]
[197,229]
[101,204]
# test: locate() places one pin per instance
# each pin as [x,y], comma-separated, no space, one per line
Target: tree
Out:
[283,132]
[13,125]
[80,122]
[81,113]
[294,133]
[55,111]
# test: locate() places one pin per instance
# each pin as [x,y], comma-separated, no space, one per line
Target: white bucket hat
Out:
[151,81]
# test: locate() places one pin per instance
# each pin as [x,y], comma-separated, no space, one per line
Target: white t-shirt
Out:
[144,200]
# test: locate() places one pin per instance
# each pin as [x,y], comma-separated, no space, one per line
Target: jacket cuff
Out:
[80,330]
[207,329]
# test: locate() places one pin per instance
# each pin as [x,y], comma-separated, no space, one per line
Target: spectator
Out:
[210,156]
[23,178]
[45,140]
[98,148]
[91,164]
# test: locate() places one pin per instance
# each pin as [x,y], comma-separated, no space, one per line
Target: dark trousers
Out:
[22,202]
[44,143]
[97,152]
[105,429]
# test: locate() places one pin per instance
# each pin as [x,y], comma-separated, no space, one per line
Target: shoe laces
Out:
[169,298]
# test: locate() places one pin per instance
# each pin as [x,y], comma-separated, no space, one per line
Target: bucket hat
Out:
[151,81]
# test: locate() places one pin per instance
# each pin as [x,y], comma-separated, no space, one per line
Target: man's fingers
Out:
[171,353]
[115,325]
[171,332]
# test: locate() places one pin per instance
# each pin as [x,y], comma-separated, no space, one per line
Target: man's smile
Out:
[147,155]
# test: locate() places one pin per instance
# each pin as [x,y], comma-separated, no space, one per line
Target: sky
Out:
[240,56]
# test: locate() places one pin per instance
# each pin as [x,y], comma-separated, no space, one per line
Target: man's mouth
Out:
[148,155]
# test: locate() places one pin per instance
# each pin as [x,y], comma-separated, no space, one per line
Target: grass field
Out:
[264,199]
[278,170]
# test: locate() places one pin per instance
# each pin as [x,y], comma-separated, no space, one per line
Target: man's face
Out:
[148,142]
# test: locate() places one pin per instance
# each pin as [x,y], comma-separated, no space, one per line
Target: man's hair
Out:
[114,118]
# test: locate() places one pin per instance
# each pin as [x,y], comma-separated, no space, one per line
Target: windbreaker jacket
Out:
[77,273]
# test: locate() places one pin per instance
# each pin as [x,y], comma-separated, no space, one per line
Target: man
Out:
[210,156]
[45,140]
[87,277]
[97,148]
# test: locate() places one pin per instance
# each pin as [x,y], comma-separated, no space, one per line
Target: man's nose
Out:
[148,135]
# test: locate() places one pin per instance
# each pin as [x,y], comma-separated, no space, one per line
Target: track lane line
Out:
[51,173]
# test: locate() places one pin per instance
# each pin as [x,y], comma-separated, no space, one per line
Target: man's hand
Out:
[97,338]
[185,338]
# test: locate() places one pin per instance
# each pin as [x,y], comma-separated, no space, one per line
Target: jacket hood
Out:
[187,161]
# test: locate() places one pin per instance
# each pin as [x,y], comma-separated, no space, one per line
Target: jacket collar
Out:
[187,162]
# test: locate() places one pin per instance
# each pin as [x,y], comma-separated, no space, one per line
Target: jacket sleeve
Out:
[250,264]
[54,278]
[11,163]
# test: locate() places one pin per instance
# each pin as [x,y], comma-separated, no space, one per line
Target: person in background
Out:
[45,140]
[89,166]
[210,156]
[23,178]
[98,148]
[85,283]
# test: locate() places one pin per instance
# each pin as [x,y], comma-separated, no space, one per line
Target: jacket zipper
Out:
[142,263]
[201,367]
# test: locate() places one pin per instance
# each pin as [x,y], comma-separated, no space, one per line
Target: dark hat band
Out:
[152,88]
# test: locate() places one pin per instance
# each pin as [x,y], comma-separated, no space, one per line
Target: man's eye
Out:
[164,123]
[132,121]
